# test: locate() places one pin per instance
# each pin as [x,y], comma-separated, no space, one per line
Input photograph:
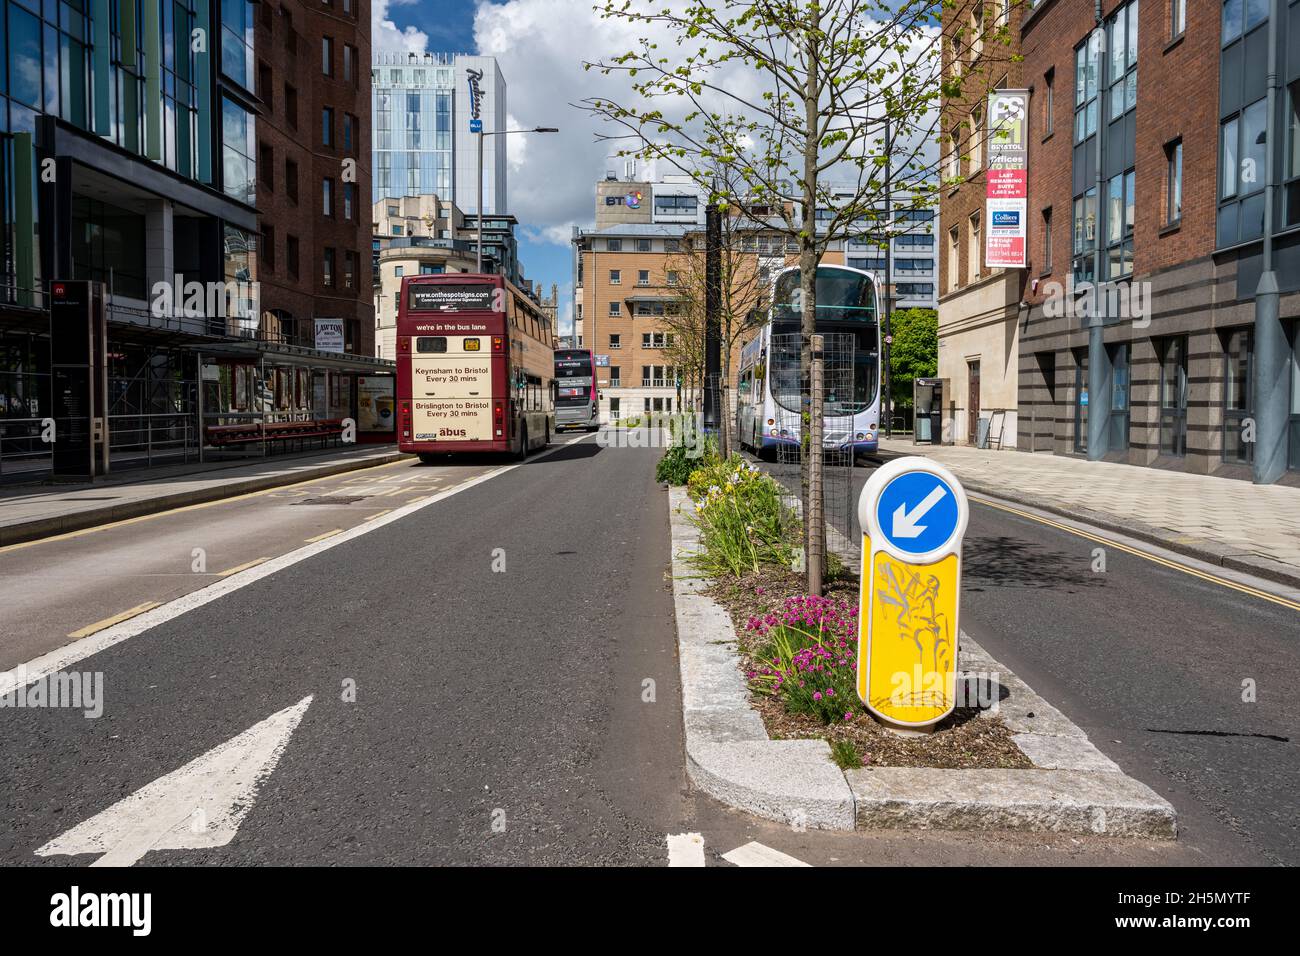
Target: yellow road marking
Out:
[115,619]
[380,514]
[1173,565]
[241,567]
[68,535]
[327,534]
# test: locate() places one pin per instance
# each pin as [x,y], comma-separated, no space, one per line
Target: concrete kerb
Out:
[1074,787]
[48,526]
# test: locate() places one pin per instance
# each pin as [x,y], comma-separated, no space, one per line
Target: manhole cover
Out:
[340,500]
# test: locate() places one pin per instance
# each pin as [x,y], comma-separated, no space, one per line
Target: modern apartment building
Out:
[427,108]
[1150,173]
[904,249]
[979,330]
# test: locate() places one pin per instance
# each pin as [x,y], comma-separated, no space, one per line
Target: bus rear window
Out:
[431,344]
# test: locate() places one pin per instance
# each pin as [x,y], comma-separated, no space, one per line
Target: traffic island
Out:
[1056,779]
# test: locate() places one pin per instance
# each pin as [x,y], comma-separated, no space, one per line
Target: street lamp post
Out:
[478,268]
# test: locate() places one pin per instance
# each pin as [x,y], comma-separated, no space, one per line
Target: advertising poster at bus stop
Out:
[1007,180]
[375,403]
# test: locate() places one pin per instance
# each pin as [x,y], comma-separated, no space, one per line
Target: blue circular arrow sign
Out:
[917,512]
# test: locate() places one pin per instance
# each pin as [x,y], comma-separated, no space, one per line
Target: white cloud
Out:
[386,36]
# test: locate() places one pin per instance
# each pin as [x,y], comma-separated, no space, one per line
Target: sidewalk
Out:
[1233,524]
[28,512]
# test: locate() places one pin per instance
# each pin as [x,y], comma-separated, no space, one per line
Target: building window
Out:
[327,126]
[1174,181]
[349,62]
[328,267]
[976,150]
[1291,168]
[349,194]
[1122,43]
[291,180]
[327,56]
[615,342]
[614,245]
[614,378]
[266,166]
[238,145]
[616,308]
[236,42]
[954,258]
[643,277]
[327,197]
[349,269]
[1173,397]
[349,124]
[1119,396]
[643,245]
[1242,16]
[1047,240]
[1049,101]
[1085,235]
[1087,59]
[673,277]
[677,205]
[1238,395]
[398,271]
[1243,158]
[672,245]
[1177,18]
[974,249]
[615,277]
[1120,211]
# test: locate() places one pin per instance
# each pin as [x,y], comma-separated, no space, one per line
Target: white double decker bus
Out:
[769,405]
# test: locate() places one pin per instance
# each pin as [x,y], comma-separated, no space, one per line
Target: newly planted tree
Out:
[816,112]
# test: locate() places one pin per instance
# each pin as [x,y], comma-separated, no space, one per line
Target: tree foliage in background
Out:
[914,352]
[819,111]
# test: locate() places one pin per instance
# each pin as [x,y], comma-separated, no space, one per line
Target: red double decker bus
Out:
[475,367]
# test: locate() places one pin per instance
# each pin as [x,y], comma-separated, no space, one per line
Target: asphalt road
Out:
[461,711]
[1150,662]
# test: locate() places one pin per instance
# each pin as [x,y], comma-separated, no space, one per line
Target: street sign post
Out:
[913,514]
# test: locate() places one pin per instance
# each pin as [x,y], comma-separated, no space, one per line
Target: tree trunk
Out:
[811,427]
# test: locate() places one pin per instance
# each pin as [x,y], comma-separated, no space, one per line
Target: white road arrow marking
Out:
[197,806]
[905,522]
[756,854]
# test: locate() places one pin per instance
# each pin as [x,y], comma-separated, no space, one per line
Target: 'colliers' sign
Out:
[475,100]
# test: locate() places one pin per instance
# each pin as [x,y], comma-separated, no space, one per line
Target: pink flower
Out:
[817,695]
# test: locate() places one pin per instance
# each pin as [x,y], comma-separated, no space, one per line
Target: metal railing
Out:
[162,435]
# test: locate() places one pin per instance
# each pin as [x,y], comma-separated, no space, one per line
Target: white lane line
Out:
[64,657]
[197,806]
[685,849]
[756,854]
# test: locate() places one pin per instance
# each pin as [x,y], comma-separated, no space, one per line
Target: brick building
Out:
[978,306]
[1149,174]
[313,167]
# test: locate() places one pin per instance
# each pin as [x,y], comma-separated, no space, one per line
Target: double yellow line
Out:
[1172,565]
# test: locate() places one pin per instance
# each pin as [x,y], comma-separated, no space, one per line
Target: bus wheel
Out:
[523,443]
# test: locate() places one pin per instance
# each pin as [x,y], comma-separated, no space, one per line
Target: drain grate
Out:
[339,500]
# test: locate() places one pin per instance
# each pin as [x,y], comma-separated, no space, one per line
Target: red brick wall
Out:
[307,296]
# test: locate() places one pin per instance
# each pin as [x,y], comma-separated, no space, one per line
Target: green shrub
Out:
[686,456]
[743,524]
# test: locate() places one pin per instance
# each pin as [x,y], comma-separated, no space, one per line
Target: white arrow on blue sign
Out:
[919,510]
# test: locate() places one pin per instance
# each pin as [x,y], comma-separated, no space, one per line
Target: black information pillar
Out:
[78,365]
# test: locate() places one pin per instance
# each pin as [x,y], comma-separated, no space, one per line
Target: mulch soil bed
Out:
[962,741]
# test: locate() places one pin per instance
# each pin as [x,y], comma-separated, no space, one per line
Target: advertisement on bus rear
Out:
[452,420]
[450,298]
